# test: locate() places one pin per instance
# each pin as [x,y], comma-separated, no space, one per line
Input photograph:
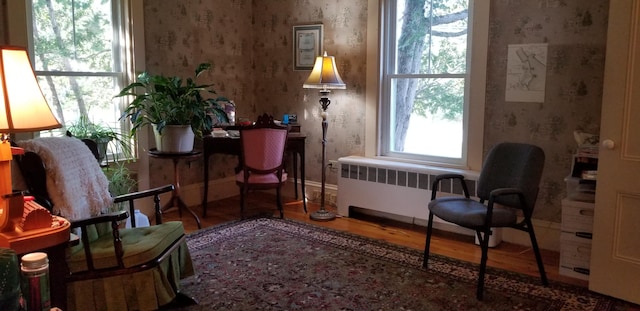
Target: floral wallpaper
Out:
[249,43]
[575,32]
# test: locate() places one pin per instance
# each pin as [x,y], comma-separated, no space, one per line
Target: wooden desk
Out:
[176,200]
[231,146]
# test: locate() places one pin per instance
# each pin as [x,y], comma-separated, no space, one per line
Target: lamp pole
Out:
[324,76]
[323,214]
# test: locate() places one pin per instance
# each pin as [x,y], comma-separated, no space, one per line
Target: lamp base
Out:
[322,215]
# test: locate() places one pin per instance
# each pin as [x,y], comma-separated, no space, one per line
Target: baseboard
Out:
[226,187]
[547,232]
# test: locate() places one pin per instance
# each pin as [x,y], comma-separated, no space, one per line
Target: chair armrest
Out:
[154,192]
[436,182]
[114,219]
[143,193]
[115,216]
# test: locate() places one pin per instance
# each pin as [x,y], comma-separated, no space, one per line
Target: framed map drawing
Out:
[526,73]
[307,45]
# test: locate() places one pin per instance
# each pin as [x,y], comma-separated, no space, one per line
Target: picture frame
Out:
[307,45]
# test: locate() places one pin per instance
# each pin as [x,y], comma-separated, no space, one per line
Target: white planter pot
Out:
[175,139]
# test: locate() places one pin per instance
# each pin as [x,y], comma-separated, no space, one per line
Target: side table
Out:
[176,200]
[53,241]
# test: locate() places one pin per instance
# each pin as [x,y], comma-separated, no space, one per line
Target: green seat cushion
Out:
[140,246]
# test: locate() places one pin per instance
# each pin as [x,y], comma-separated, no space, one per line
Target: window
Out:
[82,57]
[427,81]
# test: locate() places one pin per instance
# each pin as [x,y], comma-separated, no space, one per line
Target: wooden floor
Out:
[505,256]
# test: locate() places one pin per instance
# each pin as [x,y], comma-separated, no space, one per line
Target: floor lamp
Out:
[325,77]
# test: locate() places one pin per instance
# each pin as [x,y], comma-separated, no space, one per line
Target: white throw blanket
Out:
[76,185]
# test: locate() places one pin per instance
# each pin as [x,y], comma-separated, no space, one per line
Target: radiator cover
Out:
[400,189]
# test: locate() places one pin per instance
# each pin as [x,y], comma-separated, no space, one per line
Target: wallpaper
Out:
[575,32]
[250,45]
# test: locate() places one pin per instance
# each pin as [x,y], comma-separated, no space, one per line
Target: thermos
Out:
[35,282]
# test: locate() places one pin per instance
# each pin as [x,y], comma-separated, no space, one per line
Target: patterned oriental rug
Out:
[275,264]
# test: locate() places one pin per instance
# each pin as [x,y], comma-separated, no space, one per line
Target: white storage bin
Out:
[579,189]
[577,217]
[575,256]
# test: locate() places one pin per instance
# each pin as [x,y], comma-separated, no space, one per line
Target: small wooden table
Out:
[53,241]
[176,200]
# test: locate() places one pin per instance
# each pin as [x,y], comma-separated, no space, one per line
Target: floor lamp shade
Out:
[23,107]
[324,76]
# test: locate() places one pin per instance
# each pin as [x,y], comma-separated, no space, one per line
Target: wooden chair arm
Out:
[143,193]
[115,216]
[154,192]
[114,219]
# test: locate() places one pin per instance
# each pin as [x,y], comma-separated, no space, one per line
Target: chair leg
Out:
[427,243]
[279,202]
[536,251]
[484,245]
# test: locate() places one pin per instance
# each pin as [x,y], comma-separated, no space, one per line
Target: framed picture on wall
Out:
[307,45]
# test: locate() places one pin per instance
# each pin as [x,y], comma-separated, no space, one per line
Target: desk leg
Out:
[295,173]
[206,186]
[302,178]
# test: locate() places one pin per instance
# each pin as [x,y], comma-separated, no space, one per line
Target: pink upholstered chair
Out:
[262,160]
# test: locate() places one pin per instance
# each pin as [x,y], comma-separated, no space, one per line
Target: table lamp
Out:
[23,108]
[325,77]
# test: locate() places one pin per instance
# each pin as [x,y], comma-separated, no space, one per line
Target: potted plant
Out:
[121,182]
[169,105]
[101,134]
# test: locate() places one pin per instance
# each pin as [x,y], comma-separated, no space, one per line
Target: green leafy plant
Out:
[163,100]
[120,182]
[101,134]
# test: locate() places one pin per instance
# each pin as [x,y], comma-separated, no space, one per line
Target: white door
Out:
[615,255]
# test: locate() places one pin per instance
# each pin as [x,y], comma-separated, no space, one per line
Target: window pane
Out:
[73,35]
[435,31]
[70,97]
[433,124]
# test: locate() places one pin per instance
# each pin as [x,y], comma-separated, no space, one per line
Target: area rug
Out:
[275,264]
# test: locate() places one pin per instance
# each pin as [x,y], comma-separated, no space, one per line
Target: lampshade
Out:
[23,107]
[324,74]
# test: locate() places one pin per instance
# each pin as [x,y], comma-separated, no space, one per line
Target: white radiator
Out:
[397,190]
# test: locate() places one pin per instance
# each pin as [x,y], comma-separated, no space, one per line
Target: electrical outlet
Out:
[334,165]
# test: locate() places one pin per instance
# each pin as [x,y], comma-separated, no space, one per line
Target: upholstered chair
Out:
[508,185]
[262,159]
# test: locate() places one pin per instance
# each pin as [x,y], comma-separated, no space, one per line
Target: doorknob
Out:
[609,144]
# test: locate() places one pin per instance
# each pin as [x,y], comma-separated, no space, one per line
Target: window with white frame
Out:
[426,80]
[82,57]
